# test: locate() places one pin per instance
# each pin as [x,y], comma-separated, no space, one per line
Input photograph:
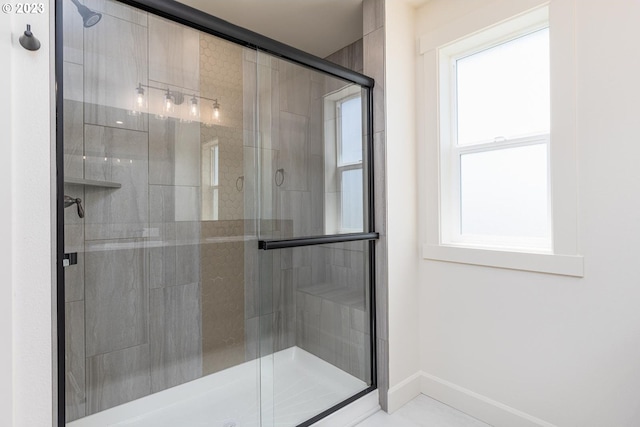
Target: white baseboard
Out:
[353,413]
[403,392]
[481,407]
[478,406]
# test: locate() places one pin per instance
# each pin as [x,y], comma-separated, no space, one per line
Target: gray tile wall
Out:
[116,296]
[349,56]
[331,306]
[175,336]
[75,394]
[222,252]
[116,155]
[313,298]
[115,62]
[373,61]
[223,296]
[135,291]
[117,377]
[75,357]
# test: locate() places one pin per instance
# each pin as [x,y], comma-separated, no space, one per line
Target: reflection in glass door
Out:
[217,229]
[313,284]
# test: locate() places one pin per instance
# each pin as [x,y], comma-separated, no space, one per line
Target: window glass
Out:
[350,131]
[503,92]
[504,192]
[351,190]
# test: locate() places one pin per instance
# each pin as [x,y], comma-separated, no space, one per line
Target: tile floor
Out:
[422,412]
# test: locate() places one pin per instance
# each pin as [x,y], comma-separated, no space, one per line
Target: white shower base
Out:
[303,386]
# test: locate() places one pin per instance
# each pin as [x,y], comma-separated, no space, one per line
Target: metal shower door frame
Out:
[204,22]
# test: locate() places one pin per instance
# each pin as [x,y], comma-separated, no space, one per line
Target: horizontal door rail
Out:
[315,240]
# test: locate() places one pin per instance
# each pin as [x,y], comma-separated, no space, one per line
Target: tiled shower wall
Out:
[135,298]
[311,297]
[222,250]
[331,314]
[373,24]
[173,314]
[367,56]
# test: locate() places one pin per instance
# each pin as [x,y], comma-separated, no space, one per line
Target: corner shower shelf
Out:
[92,183]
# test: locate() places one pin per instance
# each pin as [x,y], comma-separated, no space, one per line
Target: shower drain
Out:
[230,423]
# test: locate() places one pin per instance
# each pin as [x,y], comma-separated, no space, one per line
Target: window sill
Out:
[564,265]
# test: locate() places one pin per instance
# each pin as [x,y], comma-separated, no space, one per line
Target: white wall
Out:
[26,156]
[402,202]
[6,383]
[520,348]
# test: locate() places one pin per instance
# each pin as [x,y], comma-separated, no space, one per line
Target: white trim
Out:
[563,258]
[490,15]
[565,265]
[451,151]
[474,404]
[403,392]
[563,147]
[481,407]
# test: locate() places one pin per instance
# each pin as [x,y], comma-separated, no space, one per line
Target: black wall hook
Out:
[28,40]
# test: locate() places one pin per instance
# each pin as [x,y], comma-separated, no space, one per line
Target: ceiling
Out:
[320,27]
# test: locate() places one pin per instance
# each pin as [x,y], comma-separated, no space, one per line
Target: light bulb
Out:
[216,110]
[139,101]
[140,97]
[168,102]
[193,107]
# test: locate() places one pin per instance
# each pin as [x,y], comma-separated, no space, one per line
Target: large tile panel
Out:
[295,88]
[293,156]
[75,396]
[120,156]
[296,206]
[374,67]
[162,151]
[174,336]
[73,121]
[117,377]
[116,296]
[115,62]
[223,302]
[174,53]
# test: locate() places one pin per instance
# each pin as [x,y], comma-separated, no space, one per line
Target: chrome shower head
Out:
[89,17]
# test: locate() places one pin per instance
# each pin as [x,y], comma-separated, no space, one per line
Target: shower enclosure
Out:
[215,228]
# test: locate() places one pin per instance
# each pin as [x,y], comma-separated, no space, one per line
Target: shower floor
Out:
[295,384]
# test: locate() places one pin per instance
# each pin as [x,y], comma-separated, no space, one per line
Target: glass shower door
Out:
[314,284]
[217,229]
[158,222]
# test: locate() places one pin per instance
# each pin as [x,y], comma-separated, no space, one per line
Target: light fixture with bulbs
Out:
[171,105]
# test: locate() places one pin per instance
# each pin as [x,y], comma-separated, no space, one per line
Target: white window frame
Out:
[210,187]
[215,180]
[333,165]
[503,18]
[451,151]
[342,167]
